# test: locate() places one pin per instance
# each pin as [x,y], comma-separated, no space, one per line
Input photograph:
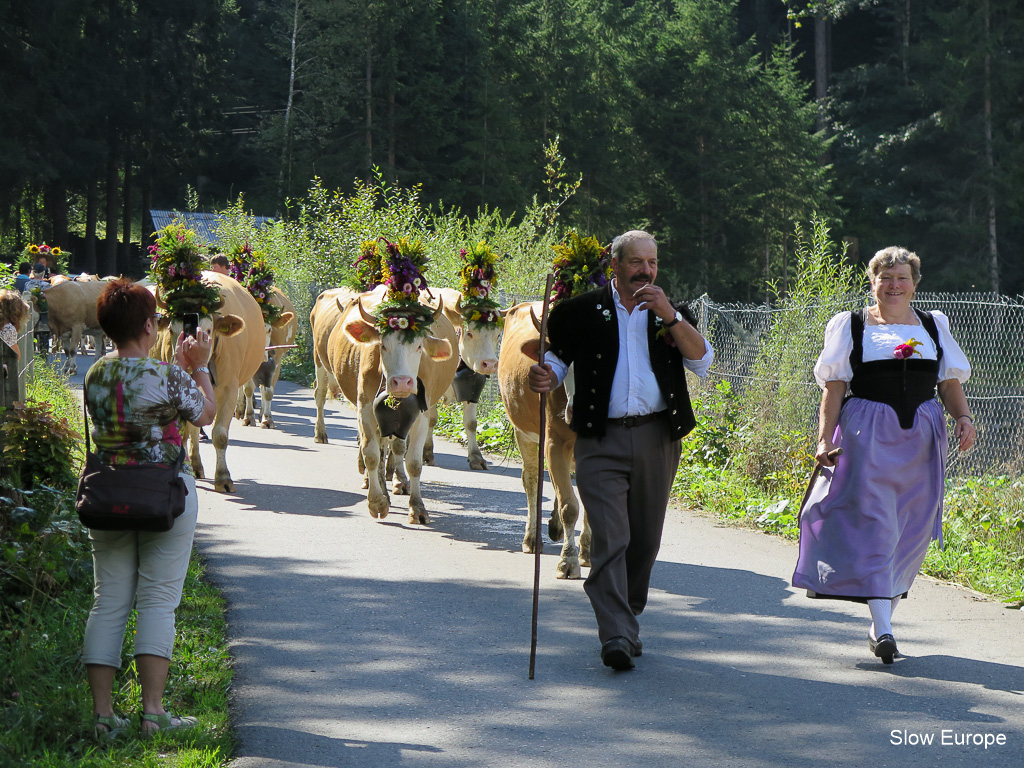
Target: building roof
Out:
[206,225]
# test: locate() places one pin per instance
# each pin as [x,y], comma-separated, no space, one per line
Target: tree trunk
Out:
[285,172]
[87,259]
[391,133]
[57,212]
[993,243]
[369,110]
[822,64]
[107,262]
[124,253]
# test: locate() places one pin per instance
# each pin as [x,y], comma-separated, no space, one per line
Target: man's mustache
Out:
[640,278]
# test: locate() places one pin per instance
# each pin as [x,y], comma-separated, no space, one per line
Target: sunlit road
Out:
[366,643]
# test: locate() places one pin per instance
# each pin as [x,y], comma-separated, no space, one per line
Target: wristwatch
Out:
[201,369]
[674,320]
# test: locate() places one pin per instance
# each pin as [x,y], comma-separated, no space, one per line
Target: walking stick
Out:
[538,541]
[833,454]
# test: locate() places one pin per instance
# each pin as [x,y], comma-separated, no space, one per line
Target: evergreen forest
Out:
[718,125]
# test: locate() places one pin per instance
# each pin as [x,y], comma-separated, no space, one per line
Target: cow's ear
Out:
[437,349]
[364,333]
[284,319]
[228,325]
[531,348]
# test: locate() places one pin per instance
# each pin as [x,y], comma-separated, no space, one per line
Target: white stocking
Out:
[881,617]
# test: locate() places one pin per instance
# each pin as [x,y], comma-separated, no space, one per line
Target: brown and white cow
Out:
[72,313]
[239,339]
[478,349]
[523,407]
[327,310]
[364,363]
[282,332]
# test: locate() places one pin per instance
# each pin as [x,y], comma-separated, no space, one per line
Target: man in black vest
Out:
[629,346]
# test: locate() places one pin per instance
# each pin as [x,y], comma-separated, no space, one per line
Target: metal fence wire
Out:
[989,327]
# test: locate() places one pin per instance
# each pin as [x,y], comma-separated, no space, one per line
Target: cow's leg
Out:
[567,508]
[70,350]
[376,493]
[243,408]
[527,442]
[396,466]
[476,459]
[266,398]
[585,539]
[222,423]
[190,436]
[428,445]
[323,377]
[414,465]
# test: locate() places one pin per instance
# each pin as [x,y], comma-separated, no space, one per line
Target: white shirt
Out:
[635,391]
[880,342]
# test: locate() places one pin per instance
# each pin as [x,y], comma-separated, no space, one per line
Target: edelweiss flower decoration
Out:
[478,284]
[907,350]
[402,264]
[580,265]
[253,272]
[176,269]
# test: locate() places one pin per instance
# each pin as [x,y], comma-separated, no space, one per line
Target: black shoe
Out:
[618,654]
[638,648]
[884,648]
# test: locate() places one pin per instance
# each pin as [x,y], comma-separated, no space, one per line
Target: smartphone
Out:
[191,320]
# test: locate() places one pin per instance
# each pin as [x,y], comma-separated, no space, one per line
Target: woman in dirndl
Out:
[872,511]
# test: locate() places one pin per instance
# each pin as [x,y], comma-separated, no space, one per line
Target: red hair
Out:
[123,309]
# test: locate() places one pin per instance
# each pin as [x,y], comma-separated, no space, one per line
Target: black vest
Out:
[904,385]
[585,330]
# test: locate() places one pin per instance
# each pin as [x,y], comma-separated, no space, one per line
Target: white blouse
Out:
[880,342]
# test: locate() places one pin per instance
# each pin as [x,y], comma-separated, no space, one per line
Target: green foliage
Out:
[7,274]
[40,447]
[494,432]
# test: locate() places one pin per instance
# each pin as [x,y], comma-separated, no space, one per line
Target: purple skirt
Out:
[867,522]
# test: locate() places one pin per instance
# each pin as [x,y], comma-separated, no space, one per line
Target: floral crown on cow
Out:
[55,256]
[176,269]
[478,283]
[256,276]
[401,267]
[367,267]
[580,265]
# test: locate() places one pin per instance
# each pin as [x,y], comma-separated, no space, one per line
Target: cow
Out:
[72,313]
[365,363]
[239,342]
[523,408]
[282,332]
[327,310]
[478,351]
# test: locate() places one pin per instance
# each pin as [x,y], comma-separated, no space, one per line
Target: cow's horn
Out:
[365,314]
[533,316]
[458,305]
[440,306]
[159,300]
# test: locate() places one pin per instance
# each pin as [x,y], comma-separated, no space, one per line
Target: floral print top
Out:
[135,404]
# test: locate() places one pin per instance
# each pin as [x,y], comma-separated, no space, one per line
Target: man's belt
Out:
[637,421]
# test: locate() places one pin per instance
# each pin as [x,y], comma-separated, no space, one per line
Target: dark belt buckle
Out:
[630,421]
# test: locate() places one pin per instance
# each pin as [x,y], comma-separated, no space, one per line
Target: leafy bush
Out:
[40,447]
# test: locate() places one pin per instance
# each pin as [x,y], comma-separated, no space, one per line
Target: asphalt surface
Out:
[377,643]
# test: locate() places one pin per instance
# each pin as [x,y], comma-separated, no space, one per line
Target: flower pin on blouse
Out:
[909,349]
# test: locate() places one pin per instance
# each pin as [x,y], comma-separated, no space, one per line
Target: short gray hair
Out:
[887,258]
[628,238]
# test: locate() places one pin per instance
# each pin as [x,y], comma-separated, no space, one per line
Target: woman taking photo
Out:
[135,403]
[872,511]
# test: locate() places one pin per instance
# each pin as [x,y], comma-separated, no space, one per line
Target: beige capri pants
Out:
[147,569]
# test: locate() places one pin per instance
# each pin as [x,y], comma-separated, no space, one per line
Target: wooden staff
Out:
[834,454]
[538,541]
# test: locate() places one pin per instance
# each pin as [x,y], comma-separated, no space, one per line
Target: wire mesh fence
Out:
[989,328]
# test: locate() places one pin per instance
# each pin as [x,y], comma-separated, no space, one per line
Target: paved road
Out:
[378,644]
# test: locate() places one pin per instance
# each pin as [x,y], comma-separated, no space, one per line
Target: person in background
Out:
[220,264]
[13,313]
[872,511]
[136,403]
[24,275]
[630,346]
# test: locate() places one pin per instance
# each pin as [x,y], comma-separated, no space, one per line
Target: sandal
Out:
[166,722]
[109,728]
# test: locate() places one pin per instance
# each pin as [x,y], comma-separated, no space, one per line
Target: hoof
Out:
[428,459]
[246,421]
[267,425]
[528,546]
[555,530]
[320,438]
[379,512]
[400,489]
[419,518]
[478,464]
[568,569]
[224,486]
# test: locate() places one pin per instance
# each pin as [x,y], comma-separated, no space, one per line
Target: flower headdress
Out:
[580,265]
[56,257]
[255,275]
[402,264]
[176,270]
[368,274]
[478,281]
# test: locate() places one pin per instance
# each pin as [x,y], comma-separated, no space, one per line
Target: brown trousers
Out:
[624,480]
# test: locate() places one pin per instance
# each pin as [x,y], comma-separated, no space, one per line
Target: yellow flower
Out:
[56,251]
[33,248]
